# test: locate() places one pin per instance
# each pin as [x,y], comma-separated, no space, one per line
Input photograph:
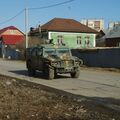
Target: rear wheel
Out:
[31,71]
[76,73]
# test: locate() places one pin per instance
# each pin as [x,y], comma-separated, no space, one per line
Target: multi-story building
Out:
[97,24]
[112,24]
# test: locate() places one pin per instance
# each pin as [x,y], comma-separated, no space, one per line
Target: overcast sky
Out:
[109,10]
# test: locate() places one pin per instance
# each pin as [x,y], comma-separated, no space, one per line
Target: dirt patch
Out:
[21,100]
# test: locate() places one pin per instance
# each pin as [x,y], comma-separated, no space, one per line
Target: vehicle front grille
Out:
[66,63]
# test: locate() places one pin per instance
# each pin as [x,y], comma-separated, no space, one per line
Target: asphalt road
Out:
[91,83]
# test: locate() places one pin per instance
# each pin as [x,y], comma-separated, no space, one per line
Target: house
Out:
[110,38]
[100,38]
[9,38]
[113,39]
[66,32]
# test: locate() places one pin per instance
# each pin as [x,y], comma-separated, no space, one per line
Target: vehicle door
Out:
[34,58]
[39,59]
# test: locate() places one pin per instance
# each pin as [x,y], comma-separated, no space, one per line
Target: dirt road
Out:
[102,87]
[91,83]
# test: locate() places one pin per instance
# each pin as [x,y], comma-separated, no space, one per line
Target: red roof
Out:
[10,27]
[12,39]
[66,25]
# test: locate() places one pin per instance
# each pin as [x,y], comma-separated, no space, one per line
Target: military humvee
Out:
[51,60]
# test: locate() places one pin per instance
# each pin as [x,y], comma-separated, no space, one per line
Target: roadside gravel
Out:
[22,100]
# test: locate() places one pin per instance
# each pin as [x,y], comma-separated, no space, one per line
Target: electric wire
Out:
[43,7]
[53,5]
[10,19]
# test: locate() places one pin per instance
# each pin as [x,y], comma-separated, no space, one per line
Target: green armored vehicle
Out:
[51,60]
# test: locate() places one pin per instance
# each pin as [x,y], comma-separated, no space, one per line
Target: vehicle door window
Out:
[39,52]
[34,52]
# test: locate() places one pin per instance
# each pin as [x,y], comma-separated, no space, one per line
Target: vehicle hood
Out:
[59,58]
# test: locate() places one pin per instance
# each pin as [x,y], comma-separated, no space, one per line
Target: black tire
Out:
[76,73]
[51,73]
[31,72]
[55,74]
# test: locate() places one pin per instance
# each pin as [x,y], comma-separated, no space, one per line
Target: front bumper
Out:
[65,69]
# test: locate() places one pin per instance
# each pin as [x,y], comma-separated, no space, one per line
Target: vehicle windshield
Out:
[49,51]
[63,52]
[58,52]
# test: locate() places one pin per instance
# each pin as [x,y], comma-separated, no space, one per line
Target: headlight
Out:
[54,63]
[81,62]
[77,63]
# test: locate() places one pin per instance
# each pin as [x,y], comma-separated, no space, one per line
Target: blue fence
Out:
[107,57]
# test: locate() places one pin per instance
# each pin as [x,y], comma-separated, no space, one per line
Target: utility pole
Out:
[26,27]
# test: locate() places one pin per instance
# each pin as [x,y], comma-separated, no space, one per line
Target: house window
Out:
[118,44]
[79,40]
[60,40]
[87,40]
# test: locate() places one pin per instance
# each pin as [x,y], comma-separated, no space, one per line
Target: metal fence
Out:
[105,57]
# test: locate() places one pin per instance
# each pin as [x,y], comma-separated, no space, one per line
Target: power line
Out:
[10,19]
[53,5]
[43,7]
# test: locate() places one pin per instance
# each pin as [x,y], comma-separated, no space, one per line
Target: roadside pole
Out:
[26,27]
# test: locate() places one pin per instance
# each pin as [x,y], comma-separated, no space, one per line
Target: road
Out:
[91,83]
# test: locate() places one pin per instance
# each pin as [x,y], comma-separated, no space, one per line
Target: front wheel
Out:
[76,73]
[51,73]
